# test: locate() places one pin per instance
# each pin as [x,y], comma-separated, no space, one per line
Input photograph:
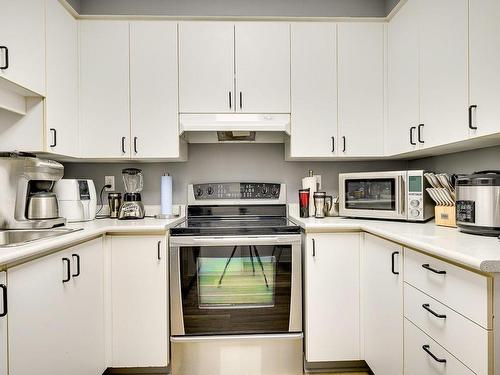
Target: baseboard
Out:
[334,367]
[137,370]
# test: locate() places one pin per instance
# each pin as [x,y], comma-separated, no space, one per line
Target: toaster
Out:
[77,199]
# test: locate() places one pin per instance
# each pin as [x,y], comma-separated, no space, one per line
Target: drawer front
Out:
[464,291]
[451,330]
[419,362]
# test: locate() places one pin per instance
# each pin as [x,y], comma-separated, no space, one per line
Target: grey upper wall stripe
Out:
[76,5]
[284,8]
[389,5]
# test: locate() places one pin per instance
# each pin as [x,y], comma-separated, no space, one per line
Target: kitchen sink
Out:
[9,238]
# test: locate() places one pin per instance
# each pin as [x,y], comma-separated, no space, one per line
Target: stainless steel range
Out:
[236,300]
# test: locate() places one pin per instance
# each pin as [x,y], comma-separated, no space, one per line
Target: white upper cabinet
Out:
[104,89]
[22,43]
[62,81]
[403,81]
[361,67]
[444,71]
[206,67]
[314,90]
[153,90]
[262,67]
[484,44]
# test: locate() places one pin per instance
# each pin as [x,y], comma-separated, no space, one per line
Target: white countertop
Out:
[91,229]
[477,252]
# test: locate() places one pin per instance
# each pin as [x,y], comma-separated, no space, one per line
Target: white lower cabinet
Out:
[56,313]
[139,283]
[382,305]
[3,324]
[332,331]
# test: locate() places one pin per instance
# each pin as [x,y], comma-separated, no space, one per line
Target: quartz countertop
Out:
[13,255]
[474,251]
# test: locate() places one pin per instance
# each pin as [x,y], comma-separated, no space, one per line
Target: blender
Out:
[132,206]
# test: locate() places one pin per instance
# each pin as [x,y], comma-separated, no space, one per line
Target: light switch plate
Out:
[109,180]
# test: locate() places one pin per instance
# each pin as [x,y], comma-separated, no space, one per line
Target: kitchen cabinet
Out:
[104,89]
[3,323]
[403,81]
[62,81]
[153,90]
[484,54]
[382,305]
[444,52]
[332,304]
[56,313]
[314,90]
[361,68]
[226,67]
[22,41]
[139,285]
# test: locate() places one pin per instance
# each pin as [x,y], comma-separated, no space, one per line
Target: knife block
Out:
[446,216]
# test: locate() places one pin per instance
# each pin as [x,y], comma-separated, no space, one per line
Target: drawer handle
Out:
[427,350]
[427,307]
[429,268]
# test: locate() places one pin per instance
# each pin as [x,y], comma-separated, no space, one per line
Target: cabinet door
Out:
[382,305]
[444,71]
[484,44]
[62,81]
[314,90]
[206,67]
[153,89]
[361,88]
[262,67]
[22,32]
[40,323]
[403,81]
[332,331]
[139,301]
[104,89]
[3,324]
[87,308]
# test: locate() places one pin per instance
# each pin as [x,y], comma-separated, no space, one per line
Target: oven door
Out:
[235,285]
[379,195]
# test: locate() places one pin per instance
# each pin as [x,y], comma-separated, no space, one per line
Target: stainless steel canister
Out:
[114,202]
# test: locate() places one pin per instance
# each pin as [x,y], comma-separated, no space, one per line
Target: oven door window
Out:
[371,194]
[236,289]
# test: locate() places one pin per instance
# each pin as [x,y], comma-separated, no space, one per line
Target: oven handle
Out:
[231,241]
[276,336]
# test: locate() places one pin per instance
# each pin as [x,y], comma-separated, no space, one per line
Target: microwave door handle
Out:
[402,195]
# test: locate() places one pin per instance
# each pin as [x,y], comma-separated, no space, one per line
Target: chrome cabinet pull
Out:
[426,349]
[427,307]
[429,268]
[393,255]
[471,125]
[68,270]
[4,300]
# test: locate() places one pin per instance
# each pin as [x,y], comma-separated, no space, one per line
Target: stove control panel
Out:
[236,190]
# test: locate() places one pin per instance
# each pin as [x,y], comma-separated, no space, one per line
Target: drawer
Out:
[464,291]
[452,331]
[418,362]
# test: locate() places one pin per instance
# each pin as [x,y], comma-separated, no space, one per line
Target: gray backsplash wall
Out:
[227,162]
[301,8]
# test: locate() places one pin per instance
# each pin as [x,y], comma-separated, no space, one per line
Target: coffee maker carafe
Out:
[132,206]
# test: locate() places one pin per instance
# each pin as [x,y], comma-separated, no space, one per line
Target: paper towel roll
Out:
[310,183]
[166,195]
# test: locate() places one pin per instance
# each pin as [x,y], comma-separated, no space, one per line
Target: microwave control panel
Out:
[415,193]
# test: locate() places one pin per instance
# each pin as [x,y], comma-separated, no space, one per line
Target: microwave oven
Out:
[397,195]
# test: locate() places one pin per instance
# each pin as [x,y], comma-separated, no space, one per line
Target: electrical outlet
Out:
[109,180]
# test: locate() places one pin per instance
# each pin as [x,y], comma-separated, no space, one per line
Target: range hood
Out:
[234,127]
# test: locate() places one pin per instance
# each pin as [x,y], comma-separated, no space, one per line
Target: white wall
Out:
[228,162]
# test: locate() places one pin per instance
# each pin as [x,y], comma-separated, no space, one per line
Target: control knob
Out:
[210,190]
[199,192]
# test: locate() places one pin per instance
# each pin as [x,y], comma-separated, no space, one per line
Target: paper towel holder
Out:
[166,216]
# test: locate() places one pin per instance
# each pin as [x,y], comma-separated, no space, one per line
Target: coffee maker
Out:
[27,200]
[132,206]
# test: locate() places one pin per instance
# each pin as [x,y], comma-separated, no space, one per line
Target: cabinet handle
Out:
[135,145]
[68,269]
[77,257]
[314,247]
[4,300]
[159,250]
[6,64]
[393,255]
[333,144]
[123,145]
[420,127]
[230,100]
[471,125]
[427,307]
[343,144]
[412,130]
[427,350]
[54,137]
[429,268]
[241,100]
